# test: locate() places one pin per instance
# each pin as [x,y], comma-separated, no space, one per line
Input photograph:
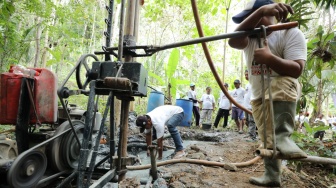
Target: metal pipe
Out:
[121,31]
[101,182]
[103,160]
[235,34]
[130,17]
[112,129]
[109,27]
[100,132]
[313,159]
[124,132]
[153,170]
[84,150]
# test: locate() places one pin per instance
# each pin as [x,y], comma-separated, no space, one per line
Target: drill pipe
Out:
[153,170]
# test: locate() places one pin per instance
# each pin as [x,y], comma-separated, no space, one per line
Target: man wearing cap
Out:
[168,115]
[192,96]
[224,108]
[285,53]
[237,113]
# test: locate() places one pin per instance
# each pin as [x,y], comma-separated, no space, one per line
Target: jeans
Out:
[196,114]
[172,123]
[206,116]
[222,113]
[251,126]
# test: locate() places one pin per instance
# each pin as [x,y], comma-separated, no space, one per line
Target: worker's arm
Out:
[160,147]
[281,66]
[277,10]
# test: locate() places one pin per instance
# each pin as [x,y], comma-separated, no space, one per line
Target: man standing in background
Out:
[192,96]
[237,113]
[249,117]
[207,106]
[224,108]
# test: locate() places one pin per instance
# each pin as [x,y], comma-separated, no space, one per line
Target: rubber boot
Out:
[284,113]
[271,176]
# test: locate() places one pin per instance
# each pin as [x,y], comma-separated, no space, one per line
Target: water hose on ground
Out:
[227,166]
[265,153]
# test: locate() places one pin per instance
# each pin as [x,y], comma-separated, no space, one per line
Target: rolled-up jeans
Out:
[172,123]
[283,88]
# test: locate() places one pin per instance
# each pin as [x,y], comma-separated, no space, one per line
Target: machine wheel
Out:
[58,149]
[70,147]
[82,73]
[27,169]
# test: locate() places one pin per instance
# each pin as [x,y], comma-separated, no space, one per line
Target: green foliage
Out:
[312,145]
[157,77]
[326,4]
[302,12]
[172,63]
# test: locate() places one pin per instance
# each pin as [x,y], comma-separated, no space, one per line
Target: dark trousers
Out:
[196,114]
[222,113]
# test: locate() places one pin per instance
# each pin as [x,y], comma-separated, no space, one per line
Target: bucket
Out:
[187,106]
[206,126]
[155,99]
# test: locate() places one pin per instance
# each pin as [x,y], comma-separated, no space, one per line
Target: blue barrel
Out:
[155,99]
[187,106]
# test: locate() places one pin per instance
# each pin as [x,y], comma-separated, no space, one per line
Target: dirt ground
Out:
[230,147]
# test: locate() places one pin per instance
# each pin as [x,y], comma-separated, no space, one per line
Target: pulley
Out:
[27,169]
[64,151]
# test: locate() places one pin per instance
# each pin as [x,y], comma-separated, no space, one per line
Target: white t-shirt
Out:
[330,120]
[320,121]
[160,115]
[207,101]
[300,118]
[224,102]
[288,44]
[247,96]
[333,128]
[192,94]
[238,96]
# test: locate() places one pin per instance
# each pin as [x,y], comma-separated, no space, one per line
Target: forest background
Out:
[53,34]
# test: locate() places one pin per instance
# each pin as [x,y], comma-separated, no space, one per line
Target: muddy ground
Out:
[226,145]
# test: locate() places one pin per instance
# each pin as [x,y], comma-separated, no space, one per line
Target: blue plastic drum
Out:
[155,99]
[187,106]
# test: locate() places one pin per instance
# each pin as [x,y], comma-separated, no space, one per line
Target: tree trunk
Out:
[37,40]
[45,49]
[225,42]
[319,97]
[92,38]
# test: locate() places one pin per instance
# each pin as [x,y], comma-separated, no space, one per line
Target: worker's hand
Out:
[263,55]
[279,10]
